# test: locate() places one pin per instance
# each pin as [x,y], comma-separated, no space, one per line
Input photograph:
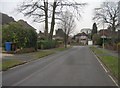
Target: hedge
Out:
[46,44]
[16,33]
[118,46]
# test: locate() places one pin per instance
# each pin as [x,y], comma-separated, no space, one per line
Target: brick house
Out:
[106,33]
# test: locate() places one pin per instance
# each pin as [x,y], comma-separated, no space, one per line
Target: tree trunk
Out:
[52,21]
[65,41]
[46,19]
[113,32]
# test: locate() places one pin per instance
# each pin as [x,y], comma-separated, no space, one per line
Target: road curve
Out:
[74,67]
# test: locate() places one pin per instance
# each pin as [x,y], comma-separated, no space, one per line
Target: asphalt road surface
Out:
[74,67]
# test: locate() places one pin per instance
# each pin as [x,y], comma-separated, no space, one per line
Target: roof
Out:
[105,32]
[25,24]
[81,34]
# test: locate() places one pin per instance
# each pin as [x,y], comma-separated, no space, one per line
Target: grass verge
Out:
[9,63]
[111,62]
[6,64]
[40,54]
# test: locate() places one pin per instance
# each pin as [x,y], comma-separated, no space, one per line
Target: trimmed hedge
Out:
[46,44]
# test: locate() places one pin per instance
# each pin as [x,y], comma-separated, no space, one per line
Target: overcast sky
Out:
[8,7]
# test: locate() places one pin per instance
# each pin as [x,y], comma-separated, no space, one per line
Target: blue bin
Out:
[8,46]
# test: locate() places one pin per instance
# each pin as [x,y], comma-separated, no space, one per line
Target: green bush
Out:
[16,33]
[46,44]
[97,40]
[59,43]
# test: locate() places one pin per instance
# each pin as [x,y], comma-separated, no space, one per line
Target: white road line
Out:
[113,80]
[100,63]
[105,69]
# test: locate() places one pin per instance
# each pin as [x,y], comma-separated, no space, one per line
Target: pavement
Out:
[74,67]
[22,57]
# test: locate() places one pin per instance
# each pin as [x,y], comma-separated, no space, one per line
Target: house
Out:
[41,35]
[105,33]
[81,38]
[5,19]
[86,30]
[59,34]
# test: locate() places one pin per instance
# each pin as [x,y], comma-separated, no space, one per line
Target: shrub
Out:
[111,46]
[16,33]
[59,43]
[118,47]
[97,40]
[46,44]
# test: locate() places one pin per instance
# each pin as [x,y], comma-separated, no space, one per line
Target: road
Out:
[74,67]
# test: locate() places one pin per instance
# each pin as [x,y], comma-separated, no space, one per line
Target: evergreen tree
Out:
[94,29]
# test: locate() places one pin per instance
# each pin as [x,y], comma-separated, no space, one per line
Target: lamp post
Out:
[103,36]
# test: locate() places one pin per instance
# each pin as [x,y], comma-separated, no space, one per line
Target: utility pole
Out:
[103,37]
[103,33]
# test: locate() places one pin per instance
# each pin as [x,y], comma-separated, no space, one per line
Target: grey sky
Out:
[9,6]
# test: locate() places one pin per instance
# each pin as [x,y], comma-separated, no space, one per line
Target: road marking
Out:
[113,80]
[106,70]
[101,63]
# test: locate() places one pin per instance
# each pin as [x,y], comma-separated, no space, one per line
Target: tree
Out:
[36,9]
[40,12]
[59,6]
[96,39]
[94,29]
[68,25]
[107,13]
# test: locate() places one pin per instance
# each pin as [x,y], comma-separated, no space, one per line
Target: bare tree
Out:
[68,25]
[107,13]
[37,9]
[59,6]
[41,10]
